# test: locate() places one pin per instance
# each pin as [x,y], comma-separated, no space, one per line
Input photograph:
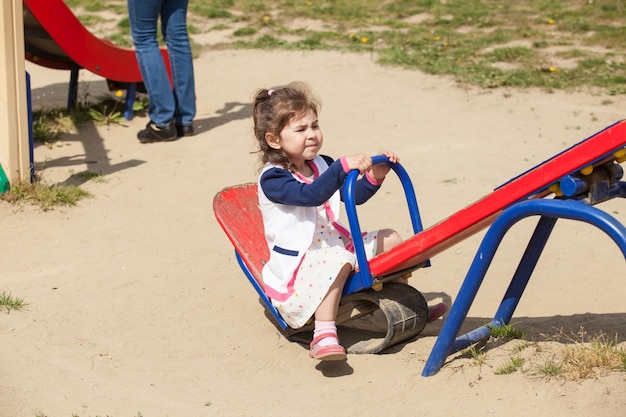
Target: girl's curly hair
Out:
[272,110]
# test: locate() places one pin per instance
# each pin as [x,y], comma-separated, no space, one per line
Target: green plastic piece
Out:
[4,182]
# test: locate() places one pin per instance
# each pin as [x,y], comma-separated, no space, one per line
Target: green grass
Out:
[513,364]
[43,195]
[588,357]
[507,331]
[468,40]
[551,368]
[487,43]
[573,358]
[8,302]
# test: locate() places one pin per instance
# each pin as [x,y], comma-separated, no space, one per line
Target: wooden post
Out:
[14,141]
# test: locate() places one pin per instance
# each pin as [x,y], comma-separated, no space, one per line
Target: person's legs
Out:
[143,17]
[174,26]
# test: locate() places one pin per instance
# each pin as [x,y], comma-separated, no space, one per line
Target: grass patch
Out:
[8,302]
[510,366]
[49,124]
[459,38]
[563,357]
[43,195]
[106,113]
[550,368]
[592,356]
[507,331]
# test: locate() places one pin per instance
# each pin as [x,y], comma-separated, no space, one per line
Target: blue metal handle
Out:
[363,279]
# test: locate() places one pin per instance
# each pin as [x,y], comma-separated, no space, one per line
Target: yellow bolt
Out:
[587,170]
[556,189]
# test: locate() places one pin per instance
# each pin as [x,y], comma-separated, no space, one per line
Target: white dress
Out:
[318,270]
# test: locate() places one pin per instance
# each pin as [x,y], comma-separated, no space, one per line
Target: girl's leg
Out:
[387,239]
[327,310]
[325,344]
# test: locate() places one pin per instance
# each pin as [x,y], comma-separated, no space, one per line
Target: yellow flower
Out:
[266,18]
[550,21]
[364,40]
[554,69]
[119,93]
[437,38]
[309,3]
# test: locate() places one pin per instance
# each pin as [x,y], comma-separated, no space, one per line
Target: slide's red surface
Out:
[479,215]
[55,38]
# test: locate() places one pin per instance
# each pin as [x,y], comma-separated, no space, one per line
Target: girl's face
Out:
[301,139]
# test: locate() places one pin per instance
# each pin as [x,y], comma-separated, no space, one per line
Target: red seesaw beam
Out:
[477,216]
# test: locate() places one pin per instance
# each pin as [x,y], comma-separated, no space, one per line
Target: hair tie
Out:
[269,92]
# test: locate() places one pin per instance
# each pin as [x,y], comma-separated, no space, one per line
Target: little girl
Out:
[299,196]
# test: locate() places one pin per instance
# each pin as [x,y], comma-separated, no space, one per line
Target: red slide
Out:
[55,38]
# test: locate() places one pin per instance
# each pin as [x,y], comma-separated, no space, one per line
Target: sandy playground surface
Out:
[137,307]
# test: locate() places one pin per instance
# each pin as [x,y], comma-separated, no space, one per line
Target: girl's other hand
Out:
[392,156]
[380,171]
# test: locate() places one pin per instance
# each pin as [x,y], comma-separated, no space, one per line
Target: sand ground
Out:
[137,307]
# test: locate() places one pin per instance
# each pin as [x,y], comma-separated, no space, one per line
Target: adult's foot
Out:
[153,133]
[184,130]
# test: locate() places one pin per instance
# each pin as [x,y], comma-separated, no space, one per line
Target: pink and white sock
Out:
[322,327]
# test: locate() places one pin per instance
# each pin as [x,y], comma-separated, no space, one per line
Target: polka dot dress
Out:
[318,270]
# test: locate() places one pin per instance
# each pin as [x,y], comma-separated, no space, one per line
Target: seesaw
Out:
[578,178]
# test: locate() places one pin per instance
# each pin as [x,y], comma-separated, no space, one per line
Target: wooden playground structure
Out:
[15,160]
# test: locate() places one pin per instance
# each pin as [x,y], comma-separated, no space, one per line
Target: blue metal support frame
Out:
[31,139]
[72,93]
[362,279]
[131,91]
[549,210]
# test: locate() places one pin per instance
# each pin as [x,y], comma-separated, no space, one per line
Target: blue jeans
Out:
[174,101]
